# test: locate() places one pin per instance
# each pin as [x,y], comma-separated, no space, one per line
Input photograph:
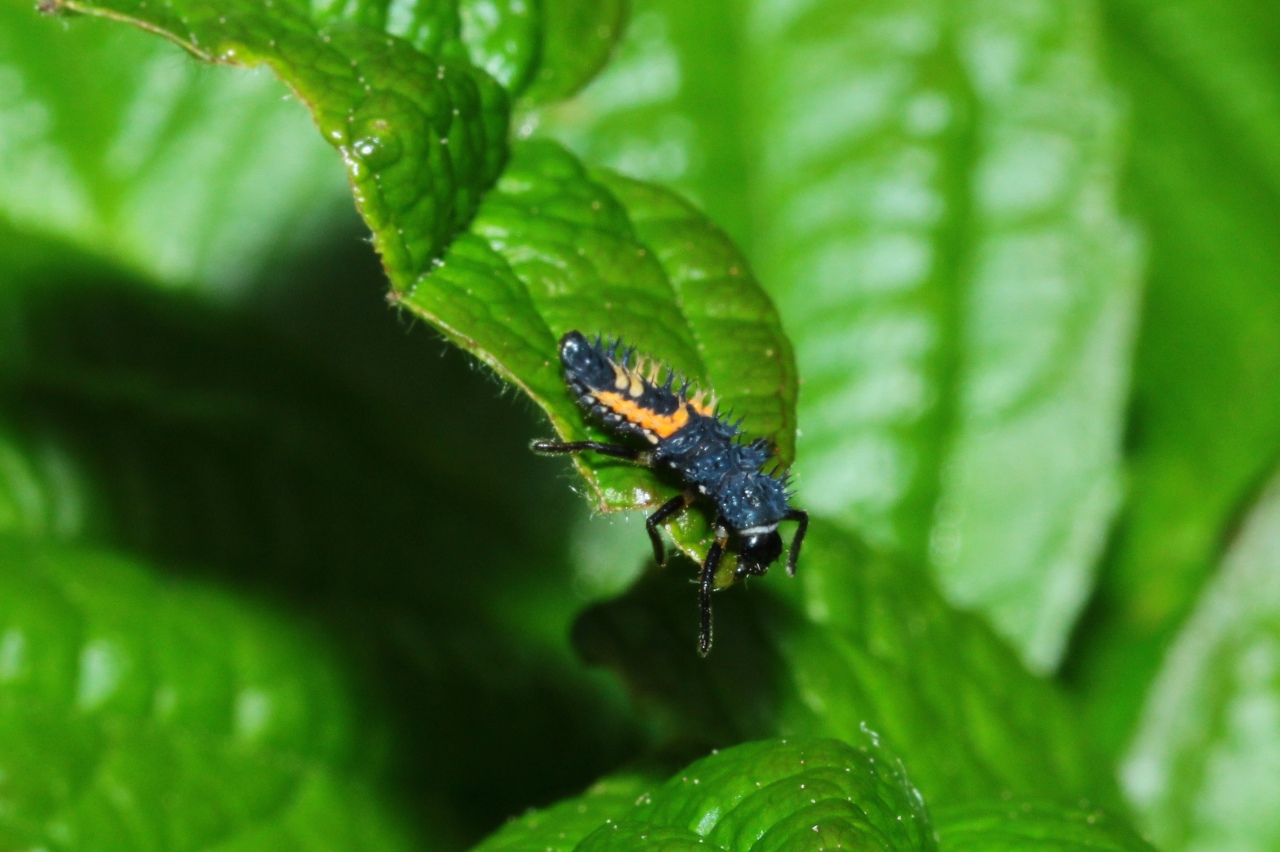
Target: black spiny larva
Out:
[686,435]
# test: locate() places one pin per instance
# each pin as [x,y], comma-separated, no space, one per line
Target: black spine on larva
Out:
[586,367]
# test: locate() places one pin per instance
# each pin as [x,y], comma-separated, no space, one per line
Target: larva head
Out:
[758,550]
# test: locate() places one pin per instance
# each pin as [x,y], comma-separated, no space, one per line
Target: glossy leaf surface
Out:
[504,273]
[929,189]
[560,827]
[189,178]
[1202,767]
[144,715]
[775,795]
[801,794]
[1206,405]
[554,248]
[854,640]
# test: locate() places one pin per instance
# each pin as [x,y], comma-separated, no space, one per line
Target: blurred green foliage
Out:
[277,569]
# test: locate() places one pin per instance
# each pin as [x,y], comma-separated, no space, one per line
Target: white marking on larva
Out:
[621,379]
[763,528]
[637,386]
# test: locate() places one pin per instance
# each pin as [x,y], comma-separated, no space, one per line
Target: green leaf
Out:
[854,641]
[143,714]
[660,110]
[1203,770]
[928,189]
[560,827]
[192,178]
[1205,174]
[550,249]
[1016,826]
[543,51]
[422,135]
[206,444]
[554,248]
[115,143]
[503,246]
[772,795]
[578,38]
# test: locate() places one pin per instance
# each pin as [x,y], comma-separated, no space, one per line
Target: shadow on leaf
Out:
[308,452]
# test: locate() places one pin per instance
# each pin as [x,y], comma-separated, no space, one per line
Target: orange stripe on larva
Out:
[662,425]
